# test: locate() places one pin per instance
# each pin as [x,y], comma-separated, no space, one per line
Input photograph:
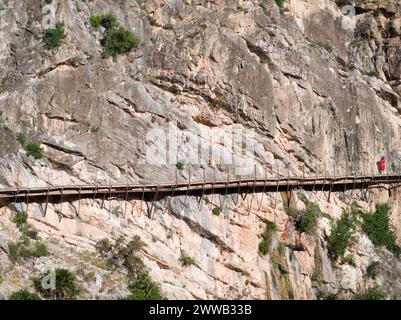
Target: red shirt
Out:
[383,165]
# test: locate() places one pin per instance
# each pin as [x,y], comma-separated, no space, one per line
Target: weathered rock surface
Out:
[320,92]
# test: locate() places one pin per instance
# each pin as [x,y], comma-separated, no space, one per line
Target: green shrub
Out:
[264,246]
[24,295]
[13,251]
[95,21]
[306,220]
[107,21]
[187,260]
[267,236]
[119,253]
[32,149]
[221,102]
[341,236]
[280,3]
[104,247]
[152,21]
[117,41]
[180,165]
[40,250]
[373,269]
[143,288]
[35,150]
[54,36]
[373,293]
[122,254]
[377,227]
[66,287]
[28,232]
[216,211]
[134,265]
[377,12]
[20,218]
[133,246]
[17,250]
[323,104]
[131,262]
[24,249]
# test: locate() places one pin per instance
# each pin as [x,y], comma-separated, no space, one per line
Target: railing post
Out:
[95,191]
[332,181]
[239,188]
[203,188]
[188,185]
[288,179]
[153,202]
[277,180]
[109,198]
[126,196]
[316,170]
[264,189]
[363,183]
[253,190]
[79,201]
[143,188]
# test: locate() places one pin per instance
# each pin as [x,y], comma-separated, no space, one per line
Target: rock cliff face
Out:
[315,90]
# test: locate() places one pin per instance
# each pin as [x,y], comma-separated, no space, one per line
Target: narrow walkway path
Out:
[197,188]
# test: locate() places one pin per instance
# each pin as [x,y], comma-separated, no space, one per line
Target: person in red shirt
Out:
[382,165]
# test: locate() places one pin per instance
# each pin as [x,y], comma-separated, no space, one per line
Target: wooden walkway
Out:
[147,192]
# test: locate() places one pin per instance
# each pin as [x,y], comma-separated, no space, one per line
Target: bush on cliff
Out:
[25,248]
[373,293]
[144,288]
[377,227]
[32,149]
[53,36]
[306,220]
[187,260]
[341,236]
[35,150]
[124,254]
[116,40]
[24,294]
[65,285]
[373,269]
[107,20]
